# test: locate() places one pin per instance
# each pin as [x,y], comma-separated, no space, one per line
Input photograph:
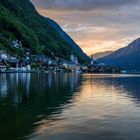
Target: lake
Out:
[68,106]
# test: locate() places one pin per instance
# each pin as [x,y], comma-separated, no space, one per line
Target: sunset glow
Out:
[95,26]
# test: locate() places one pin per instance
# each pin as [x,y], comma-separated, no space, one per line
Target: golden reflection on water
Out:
[69,106]
[100,101]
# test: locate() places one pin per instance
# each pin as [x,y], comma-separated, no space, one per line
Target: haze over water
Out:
[69,107]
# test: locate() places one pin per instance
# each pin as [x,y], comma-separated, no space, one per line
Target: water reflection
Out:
[3,85]
[128,85]
[69,106]
[28,98]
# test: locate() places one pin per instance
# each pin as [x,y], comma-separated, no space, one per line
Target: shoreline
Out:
[77,72]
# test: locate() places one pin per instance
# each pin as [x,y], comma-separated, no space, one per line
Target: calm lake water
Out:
[69,107]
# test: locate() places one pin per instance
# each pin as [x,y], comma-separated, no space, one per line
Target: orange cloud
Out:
[95,30]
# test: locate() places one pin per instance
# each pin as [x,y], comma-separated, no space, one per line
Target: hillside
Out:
[101,54]
[20,20]
[127,57]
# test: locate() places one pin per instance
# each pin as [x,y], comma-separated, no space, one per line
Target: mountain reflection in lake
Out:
[69,107]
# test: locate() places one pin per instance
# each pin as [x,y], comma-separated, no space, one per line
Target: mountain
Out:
[101,54]
[19,20]
[127,57]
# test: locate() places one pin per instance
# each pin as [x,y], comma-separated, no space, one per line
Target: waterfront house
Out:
[16,44]
[14,62]
[74,59]
[3,61]
[2,65]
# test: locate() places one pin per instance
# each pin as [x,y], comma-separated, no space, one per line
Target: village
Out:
[42,63]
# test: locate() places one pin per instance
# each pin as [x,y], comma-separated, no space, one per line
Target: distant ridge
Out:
[127,57]
[101,54]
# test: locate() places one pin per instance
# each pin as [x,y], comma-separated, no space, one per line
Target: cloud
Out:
[95,25]
[82,4]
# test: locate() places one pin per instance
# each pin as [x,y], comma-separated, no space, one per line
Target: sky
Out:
[95,25]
